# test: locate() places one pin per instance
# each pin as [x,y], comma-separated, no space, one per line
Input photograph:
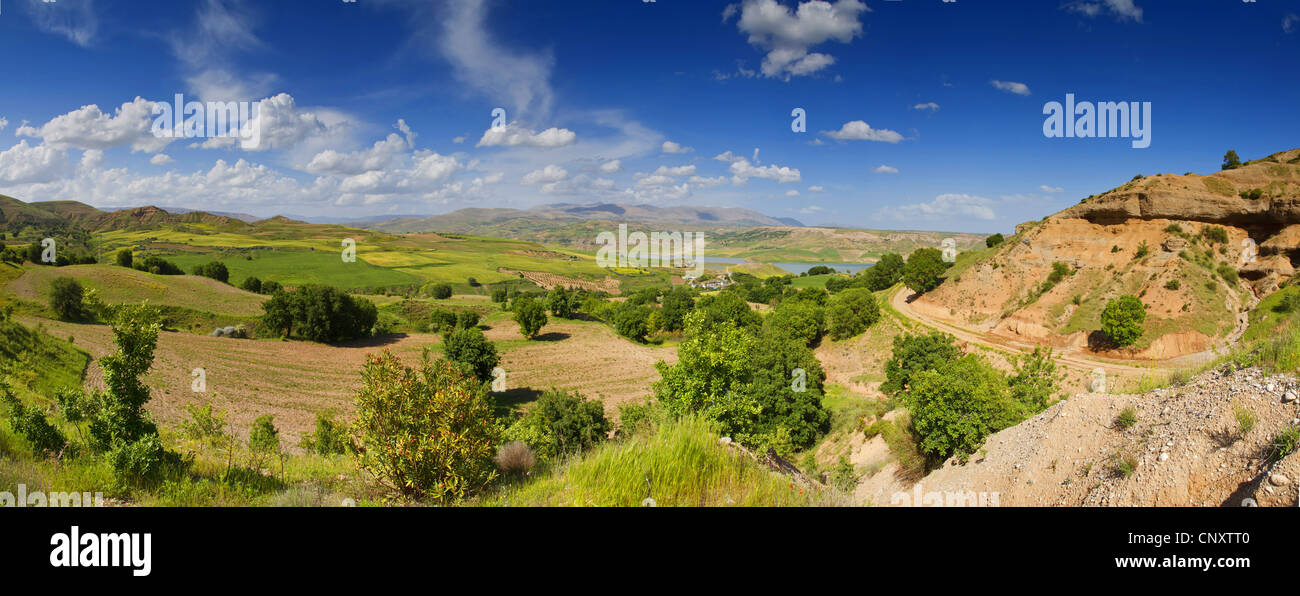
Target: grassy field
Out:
[119,285]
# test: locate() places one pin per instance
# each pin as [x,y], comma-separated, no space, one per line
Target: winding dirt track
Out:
[900,302]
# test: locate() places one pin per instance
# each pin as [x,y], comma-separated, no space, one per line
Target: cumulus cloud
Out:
[676,148]
[515,135]
[612,166]
[742,170]
[1010,87]
[1122,10]
[161,159]
[90,128]
[24,163]
[551,173]
[947,205]
[791,193]
[884,169]
[858,130]
[377,157]
[675,171]
[787,35]
[933,107]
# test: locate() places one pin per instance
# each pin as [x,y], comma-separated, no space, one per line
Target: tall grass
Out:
[681,464]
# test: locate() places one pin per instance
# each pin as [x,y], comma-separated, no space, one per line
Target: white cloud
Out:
[884,169]
[161,159]
[74,19]
[705,183]
[1122,10]
[89,128]
[551,173]
[811,209]
[947,205]
[487,66]
[815,189]
[742,170]
[24,163]
[458,140]
[1051,189]
[514,135]
[3,123]
[788,35]
[933,107]
[612,166]
[207,49]
[377,157]
[1011,87]
[791,193]
[676,148]
[858,130]
[675,171]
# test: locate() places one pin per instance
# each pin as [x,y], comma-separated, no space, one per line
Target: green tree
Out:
[66,296]
[530,315]
[124,257]
[252,284]
[851,312]
[1231,161]
[914,354]
[426,432]
[263,437]
[557,301]
[468,346]
[632,321]
[885,273]
[1122,320]
[994,240]
[280,313]
[215,270]
[923,270]
[561,423]
[800,319]
[956,406]
[677,303]
[440,291]
[1035,381]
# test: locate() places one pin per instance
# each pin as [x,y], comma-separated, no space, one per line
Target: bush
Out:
[252,284]
[499,295]
[1173,284]
[913,354]
[632,321]
[329,438]
[124,257]
[215,270]
[467,319]
[561,423]
[1284,444]
[1245,420]
[1215,234]
[530,315]
[66,296]
[117,416]
[320,313]
[1034,380]
[851,312]
[515,458]
[426,432]
[442,320]
[994,240]
[469,347]
[1126,419]
[143,461]
[440,291]
[32,424]
[263,437]
[800,319]
[204,423]
[1231,161]
[1142,251]
[843,476]
[1289,303]
[270,287]
[955,406]
[1227,273]
[158,266]
[924,266]
[1122,320]
[559,303]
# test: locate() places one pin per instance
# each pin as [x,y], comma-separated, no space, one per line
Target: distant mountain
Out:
[492,221]
[324,219]
[244,217]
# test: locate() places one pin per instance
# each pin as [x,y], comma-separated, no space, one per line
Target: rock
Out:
[1164,456]
[1288,397]
[1174,244]
[1279,480]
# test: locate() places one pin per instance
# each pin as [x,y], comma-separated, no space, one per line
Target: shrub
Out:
[1173,284]
[124,257]
[252,284]
[994,240]
[329,438]
[632,321]
[851,312]
[1126,419]
[913,354]
[561,423]
[530,315]
[1124,465]
[515,458]
[800,319]
[66,296]
[467,319]
[955,406]
[204,423]
[442,320]
[158,266]
[843,476]
[1228,273]
[270,287]
[1245,420]
[1290,303]
[263,437]
[32,424]
[320,313]
[499,295]
[215,270]
[1122,320]
[1231,161]
[1284,444]
[440,291]
[469,347]
[558,302]
[143,461]
[1215,234]
[1034,380]
[426,432]
[924,266]
[117,416]
[1142,251]
[1114,248]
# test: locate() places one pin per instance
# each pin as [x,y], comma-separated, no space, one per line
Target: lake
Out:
[795,268]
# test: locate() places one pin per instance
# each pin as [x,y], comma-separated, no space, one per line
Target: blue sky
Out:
[919,114]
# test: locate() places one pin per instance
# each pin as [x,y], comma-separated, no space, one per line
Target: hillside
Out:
[1180,242]
[1186,448]
[120,285]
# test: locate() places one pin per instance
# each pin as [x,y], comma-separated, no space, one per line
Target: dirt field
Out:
[293,380]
